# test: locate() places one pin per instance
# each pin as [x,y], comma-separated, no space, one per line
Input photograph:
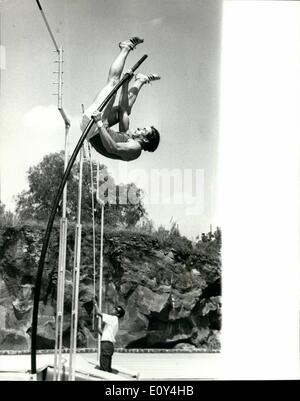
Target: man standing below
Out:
[108,334]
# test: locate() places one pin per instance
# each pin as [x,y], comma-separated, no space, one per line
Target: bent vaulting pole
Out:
[127,76]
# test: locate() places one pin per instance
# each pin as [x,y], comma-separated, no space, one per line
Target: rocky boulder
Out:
[170,289]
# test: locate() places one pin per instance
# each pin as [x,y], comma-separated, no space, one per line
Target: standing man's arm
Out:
[98,313]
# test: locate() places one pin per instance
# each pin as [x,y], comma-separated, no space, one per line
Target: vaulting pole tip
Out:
[139,62]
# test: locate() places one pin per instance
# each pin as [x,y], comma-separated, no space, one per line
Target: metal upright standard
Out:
[127,76]
[89,152]
[99,200]
[62,240]
[76,277]
[94,233]
[63,220]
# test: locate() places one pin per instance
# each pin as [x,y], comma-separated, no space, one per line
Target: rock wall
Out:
[171,295]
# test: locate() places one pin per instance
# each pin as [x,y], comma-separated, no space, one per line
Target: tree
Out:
[6,217]
[206,256]
[44,180]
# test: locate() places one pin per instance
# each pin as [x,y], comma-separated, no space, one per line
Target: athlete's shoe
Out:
[131,43]
[147,79]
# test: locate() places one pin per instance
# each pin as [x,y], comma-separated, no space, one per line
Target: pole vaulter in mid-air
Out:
[109,95]
[124,145]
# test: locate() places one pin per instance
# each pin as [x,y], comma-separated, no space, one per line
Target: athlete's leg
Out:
[140,80]
[120,114]
[116,113]
[114,75]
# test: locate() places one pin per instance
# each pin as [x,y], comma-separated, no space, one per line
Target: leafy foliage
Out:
[6,217]
[44,180]
[206,256]
[172,238]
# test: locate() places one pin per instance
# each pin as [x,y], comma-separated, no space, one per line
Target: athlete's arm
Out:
[126,150]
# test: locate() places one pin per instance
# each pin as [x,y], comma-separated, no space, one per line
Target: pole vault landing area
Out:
[17,368]
[151,366]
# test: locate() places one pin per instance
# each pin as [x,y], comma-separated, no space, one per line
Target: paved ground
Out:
[151,366]
[167,365]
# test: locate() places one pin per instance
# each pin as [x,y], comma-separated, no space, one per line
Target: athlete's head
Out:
[149,138]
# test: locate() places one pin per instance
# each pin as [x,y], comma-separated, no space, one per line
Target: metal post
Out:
[60,80]
[63,221]
[62,242]
[93,223]
[101,265]
[76,277]
[100,281]
[60,299]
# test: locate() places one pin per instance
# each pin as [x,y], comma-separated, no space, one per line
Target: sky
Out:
[182,41]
